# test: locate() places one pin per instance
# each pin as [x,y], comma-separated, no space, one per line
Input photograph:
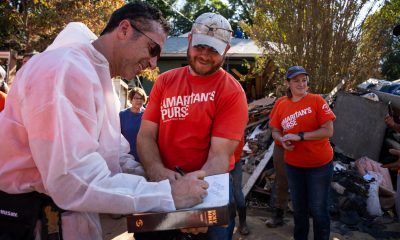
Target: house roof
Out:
[177,47]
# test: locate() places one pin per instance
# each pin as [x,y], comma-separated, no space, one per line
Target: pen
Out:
[179,170]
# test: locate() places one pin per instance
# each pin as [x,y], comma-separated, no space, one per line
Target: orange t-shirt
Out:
[190,110]
[306,115]
[2,100]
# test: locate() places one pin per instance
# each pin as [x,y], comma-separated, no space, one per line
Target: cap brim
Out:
[295,74]
[202,39]
[396,30]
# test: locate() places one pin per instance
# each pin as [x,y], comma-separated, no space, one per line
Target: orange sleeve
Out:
[232,116]
[324,113]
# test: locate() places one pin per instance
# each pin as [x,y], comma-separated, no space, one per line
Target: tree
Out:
[181,18]
[378,45]
[33,24]
[321,35]
[194,8]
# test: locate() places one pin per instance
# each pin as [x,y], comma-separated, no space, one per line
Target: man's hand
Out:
[161,173]
[390,121]
[189,190]
[394,165]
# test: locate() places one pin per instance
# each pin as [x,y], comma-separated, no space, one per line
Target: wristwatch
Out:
[301,135]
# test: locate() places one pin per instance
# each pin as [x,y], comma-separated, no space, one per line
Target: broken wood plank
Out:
[260,167]
[334,91]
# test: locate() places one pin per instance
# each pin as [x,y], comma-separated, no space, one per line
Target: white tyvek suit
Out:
[60,135]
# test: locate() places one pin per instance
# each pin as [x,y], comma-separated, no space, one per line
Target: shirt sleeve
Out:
[231,117]
[324,112]
[63,138]
[274,120]
[271,114]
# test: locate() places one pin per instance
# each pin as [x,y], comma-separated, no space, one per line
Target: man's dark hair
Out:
[138,12]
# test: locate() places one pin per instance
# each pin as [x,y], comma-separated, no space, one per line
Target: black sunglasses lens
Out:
[155,51]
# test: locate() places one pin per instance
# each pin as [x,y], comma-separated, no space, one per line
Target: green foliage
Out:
[391,66]
[380,48]
[235,11]
[320,35]
[28,25]
[194,8]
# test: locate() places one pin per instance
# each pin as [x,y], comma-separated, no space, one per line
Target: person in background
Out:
[240,201]
[279,200]
[389,120]
[303,123]
[60,128]
[131,118]
[3,88]
[395,165]
[196,115]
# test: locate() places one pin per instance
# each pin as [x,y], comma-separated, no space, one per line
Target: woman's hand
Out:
[287,140]
[286,143]
[291,137]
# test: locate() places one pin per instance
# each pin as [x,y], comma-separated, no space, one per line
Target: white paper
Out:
[218,191]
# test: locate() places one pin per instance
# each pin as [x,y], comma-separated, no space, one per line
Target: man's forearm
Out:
[221,150]
[216,165]
[150,157]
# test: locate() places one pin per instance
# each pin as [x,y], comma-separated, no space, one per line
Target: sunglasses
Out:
[220,33]
[154,51]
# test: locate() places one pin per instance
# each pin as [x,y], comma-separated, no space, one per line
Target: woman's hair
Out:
[138,91]
[288,91]
[3,84]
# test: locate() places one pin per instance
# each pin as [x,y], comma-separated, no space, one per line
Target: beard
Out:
[213,66]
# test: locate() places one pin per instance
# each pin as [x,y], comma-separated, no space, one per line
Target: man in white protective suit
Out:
[60,130]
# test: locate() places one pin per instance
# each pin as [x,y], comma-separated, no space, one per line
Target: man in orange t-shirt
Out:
[196,115]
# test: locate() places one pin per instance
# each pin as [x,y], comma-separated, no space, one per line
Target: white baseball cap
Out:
[213,30]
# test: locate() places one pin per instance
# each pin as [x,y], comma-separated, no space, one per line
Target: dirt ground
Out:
[115,229]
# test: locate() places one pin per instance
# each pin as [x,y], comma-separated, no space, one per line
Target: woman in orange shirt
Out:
[303,123]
